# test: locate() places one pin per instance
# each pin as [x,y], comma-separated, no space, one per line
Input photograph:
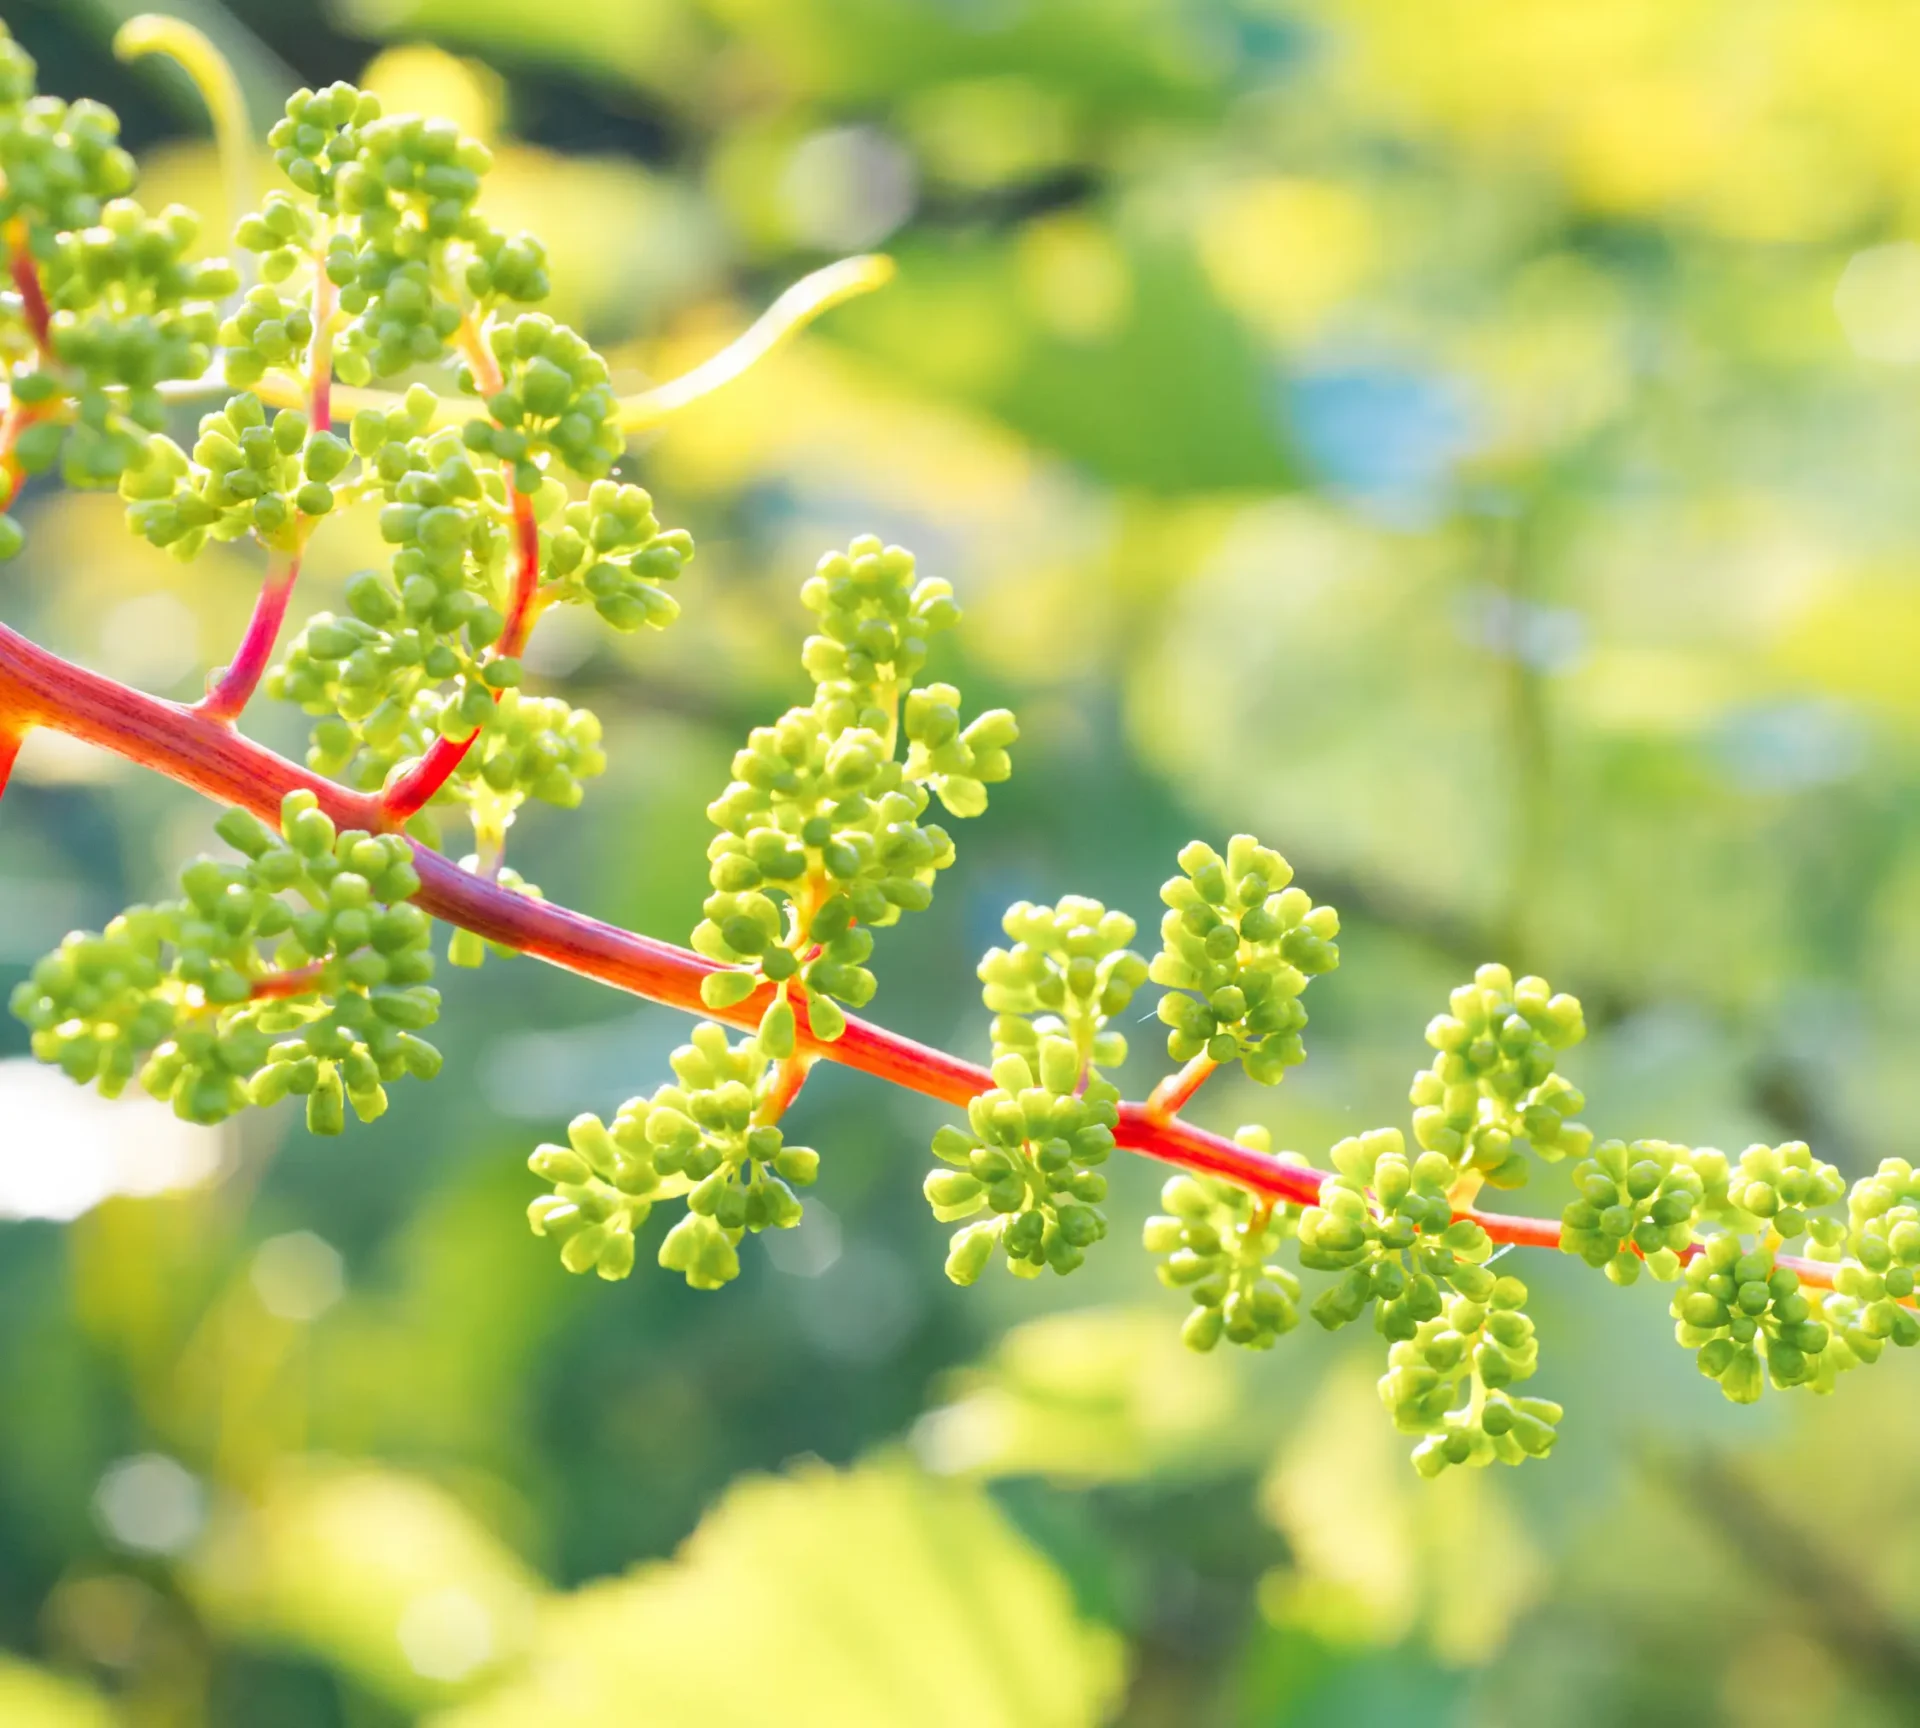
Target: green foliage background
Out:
[1469,446]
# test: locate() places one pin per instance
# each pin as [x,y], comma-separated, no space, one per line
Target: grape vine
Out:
[301,966]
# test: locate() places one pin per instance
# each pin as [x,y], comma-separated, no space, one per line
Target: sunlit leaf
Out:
[33,1698]
[1094,1395]
[381,1574]
[1378,1554]
[822,1599]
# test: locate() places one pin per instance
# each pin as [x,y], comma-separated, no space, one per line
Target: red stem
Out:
[414,790]
[228,697]
[297,982]
[234,688]
[790,1077]
[18,417]
[38,688]
[26,278]
[1167,1099]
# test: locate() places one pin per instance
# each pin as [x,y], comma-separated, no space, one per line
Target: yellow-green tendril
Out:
[212,74]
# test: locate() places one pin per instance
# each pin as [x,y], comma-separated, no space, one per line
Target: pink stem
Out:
[787,1081]
[234,688]
[10,742]
[26,278]
[1167,1099]
[278,985]
[229,696]
[414,790]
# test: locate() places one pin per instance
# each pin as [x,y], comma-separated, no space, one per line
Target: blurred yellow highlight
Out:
[1286,252]
[33,1698]
[1860,640]
[1075,277]
[420,79]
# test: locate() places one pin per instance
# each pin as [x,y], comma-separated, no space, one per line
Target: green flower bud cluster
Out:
[446,516]
[701,1138]
[410,659]
[93,448]
[831,828]
[1860,1327]
[609,552]
[1480,1343]
[1029,1156]
[1238,948]
[1218,1242]
[875,623]
[368,682]
[1637,1208]
[268,328]
[386,207]
[554,401]
[129,307]
[1780,1185]
[529,746]
[958,762]
[316,138]
[1741,1313]
[1883,1217]
[17,72]
[1492,1090]
[821,814]
[318,135]
[126,309]
[412,192]
[1387,1226]
[1886,1208]
[1069,972]
[184,985]
[1869,1306]
[61,163]
[1458,1336]
[429,621]
[508,267]
[250,473]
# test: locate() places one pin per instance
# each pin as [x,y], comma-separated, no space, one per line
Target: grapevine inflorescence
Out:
[301,966]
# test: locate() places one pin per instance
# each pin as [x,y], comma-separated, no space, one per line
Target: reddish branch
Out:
[790,1076]
[18,417]
[26,278]
[278,985]
[234,688]
[1168,1098]
[38,688]
[414,790]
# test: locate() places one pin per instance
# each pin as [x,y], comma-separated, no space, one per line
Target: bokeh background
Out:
[1469,445]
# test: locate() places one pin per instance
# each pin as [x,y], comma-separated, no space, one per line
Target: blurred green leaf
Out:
[1112,355]
[1092,1395]
[1379,1553]
[381,1574]
[822,1599]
